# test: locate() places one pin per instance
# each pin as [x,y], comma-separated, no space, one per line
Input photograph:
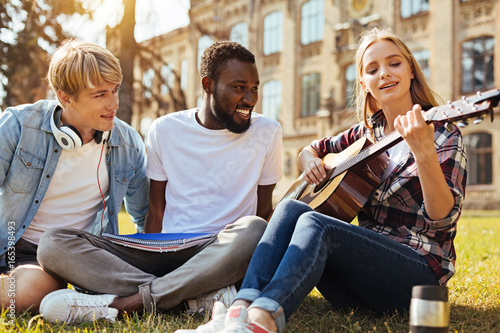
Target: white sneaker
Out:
[237,322]
[72,307]
[213,326]
[205,302]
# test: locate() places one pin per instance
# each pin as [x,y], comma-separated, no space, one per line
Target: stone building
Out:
[304,51]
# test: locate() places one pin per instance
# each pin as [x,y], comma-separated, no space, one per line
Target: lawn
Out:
[474,294]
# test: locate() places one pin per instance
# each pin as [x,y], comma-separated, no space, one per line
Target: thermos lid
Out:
[431,293]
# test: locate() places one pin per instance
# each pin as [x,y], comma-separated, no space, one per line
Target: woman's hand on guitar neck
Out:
[314,168]
[416,132]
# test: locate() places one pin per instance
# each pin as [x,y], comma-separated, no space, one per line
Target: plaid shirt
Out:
[396,208]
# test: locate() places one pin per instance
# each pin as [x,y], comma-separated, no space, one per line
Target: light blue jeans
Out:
[350,265]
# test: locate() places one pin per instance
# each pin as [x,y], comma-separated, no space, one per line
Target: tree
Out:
[121,40]
[31,29]
[127,55]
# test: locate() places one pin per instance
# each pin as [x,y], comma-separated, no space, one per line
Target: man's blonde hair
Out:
[77,65]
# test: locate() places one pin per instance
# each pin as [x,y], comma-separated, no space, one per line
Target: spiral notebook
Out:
[160,242]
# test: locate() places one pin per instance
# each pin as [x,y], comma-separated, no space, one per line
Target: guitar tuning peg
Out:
[478,120]
[449,126]
[462,124]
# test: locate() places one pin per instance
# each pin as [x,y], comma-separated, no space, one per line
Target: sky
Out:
[153,17]
[166,15]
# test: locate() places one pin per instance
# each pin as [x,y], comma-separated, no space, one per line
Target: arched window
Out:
[239,33]
[271,99]
[479,158]
[184,74]
[203,42]
[147,82]
[350,85]
[273,33]
[478,64]
[311,87]
[168,79]
[313,21]
[422,57]
[413,7]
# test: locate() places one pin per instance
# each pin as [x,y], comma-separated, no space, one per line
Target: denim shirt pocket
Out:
[122,180]
[25,172]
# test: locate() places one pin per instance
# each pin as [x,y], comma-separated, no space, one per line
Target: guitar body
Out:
[344,195]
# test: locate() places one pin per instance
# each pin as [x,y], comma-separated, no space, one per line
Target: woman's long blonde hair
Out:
[420,91]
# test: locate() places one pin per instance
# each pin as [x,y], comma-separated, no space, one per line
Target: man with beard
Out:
[212,169]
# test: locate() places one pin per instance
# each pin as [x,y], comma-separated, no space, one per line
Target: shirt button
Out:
[111,213]
[56,150]
[123,179]
[48,176]
[36,201]
[109,163]
[29,163]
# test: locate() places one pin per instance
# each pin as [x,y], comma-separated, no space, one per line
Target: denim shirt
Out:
[29,154]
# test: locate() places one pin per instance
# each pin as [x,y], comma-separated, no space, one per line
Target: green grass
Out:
[474,294]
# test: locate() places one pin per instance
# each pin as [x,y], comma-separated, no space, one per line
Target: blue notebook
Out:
[160,242]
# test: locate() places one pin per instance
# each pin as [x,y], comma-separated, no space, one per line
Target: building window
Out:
[168,79]
[477,64]
[147,82]
[313,21]
[184,74]
[422,58]
[273,33]
[350,85]
[239,33]
[203,42]
[479,158]
[413,7]
[271,99]
[311,85]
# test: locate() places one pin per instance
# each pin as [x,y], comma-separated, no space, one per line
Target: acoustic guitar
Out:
[357,170]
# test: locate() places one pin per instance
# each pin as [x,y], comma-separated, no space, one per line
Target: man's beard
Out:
[224,118]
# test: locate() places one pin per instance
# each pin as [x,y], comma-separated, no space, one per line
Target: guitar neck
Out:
[473,106]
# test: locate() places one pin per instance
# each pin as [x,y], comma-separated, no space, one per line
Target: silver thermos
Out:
[429,310]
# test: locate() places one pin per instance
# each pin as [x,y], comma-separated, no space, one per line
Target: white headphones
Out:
[68,137]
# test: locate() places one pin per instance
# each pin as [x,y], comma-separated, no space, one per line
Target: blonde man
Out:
[67,163]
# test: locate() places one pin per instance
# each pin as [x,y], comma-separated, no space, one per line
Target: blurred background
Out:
[304,51]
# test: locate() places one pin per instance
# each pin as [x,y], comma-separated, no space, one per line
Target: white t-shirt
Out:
[73,197]
[397,154]
[212,175]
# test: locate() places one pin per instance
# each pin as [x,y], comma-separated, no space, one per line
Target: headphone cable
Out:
[99,185]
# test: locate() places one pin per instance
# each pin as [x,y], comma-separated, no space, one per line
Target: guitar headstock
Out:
[475,106]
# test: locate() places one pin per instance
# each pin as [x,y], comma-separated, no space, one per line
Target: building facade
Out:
[305,52]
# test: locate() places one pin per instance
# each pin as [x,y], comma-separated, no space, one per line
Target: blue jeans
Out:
[350,265]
